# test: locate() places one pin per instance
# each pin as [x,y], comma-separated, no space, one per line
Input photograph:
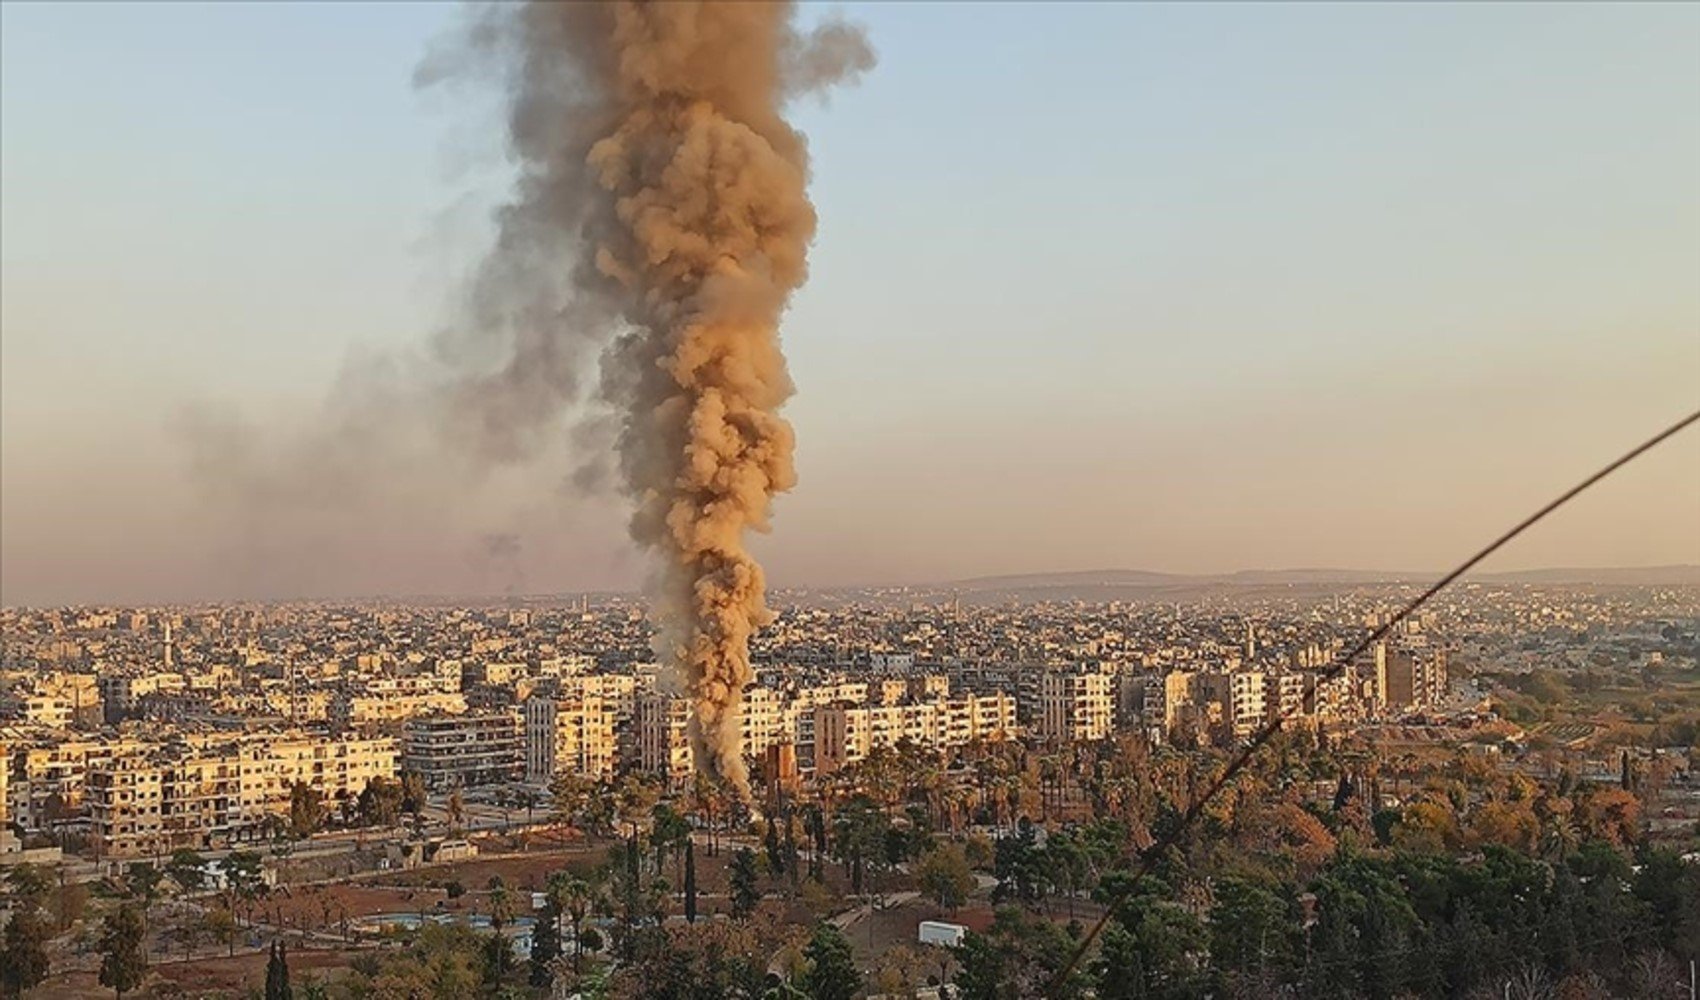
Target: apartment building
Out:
[619,697]
[336,768]
[1332,700]
[1241,694]
[8,841]
[365,709]
[1076,705]
[125,796]
[845,733]
[451,751]
[1368,671]
[576,734]
[205,792]
[47,773]
[1415,678]
[663,740]
[1285,694]
[768,718]
[54,700]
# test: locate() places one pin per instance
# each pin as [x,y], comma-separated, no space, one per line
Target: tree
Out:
[1427,827]
[690,888]
[1509,824]
[277,974]
[858,838]
[501,907]
[244,875]
[814,824]
[55,810]
[187,869]
[772,850]
[456,809]
[574,897]
[219,925]
[306,810]
[1019,863]
[1066,866]
[1250,931]
[23,954]
[742,873]
[944,875]
[141,882]
[546,936]
[832,971]
[526,799]
[69,902]
[982,976]
[122,964]
[413,793]
[29,882]
[706,797]
[669,832]
[380,802]
[1150,949]
[188,931]
[709,960]
[1611,814]
[1019,956]
[635,799]
[498,960]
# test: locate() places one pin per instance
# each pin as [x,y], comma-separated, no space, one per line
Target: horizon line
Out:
[1320,573]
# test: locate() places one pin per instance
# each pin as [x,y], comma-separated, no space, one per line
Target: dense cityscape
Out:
[688,500]
[945,786]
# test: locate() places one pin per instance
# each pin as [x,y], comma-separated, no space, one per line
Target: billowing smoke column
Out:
[653,145]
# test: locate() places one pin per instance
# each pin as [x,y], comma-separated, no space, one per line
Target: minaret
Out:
[168,644]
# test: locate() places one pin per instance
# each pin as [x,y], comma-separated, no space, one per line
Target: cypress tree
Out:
[277,974]
[690,881]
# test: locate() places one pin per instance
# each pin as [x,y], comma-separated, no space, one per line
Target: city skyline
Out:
[1350,288]
[695,500]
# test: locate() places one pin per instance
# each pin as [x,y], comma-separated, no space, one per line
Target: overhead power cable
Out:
[1148,857]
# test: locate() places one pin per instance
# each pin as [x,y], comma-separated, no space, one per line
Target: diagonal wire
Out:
[1148,857]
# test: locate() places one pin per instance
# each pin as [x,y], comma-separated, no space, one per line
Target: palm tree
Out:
[1049,776]
[669,832]
[501,907]
[575,897]
[635,798]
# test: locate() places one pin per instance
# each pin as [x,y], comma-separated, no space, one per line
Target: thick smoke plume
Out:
[628,310]
[652,142]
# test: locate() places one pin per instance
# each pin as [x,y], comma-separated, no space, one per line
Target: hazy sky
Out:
[1175,287]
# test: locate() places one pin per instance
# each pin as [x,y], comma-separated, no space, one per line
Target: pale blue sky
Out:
[1171,287]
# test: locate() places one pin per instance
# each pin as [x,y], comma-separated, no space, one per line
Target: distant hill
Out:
[1133,579]
[1639,576]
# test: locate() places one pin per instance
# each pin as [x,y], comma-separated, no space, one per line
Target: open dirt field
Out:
[203,976]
